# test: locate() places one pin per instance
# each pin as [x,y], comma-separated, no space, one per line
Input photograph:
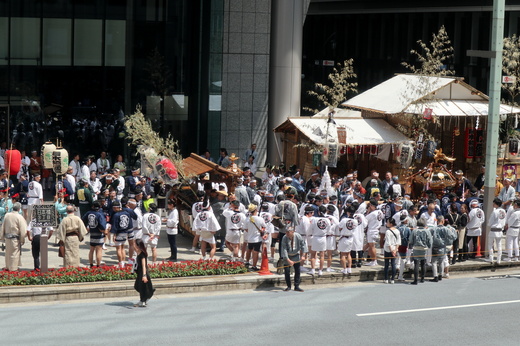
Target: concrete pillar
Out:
[285,69]
[493,120]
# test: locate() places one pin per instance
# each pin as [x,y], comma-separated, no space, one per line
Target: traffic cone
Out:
[478,248]
[264,268]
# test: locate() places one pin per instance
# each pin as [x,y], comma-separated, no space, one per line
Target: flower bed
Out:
[106,273]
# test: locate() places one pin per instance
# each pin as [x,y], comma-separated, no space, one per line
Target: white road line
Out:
[437,308]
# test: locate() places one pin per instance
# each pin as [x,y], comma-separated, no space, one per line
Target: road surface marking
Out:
[437,308]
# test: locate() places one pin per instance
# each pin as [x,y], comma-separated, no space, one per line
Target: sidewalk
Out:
[251,280]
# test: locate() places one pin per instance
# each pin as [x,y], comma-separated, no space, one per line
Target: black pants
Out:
[357,256]
[172,239]
[35,249]
[389,261]
[287,271]
[474,251]
[416,263]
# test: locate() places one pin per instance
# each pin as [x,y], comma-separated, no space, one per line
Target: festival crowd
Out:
[312,221]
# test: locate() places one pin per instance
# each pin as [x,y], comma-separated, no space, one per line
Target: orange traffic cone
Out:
[264,268]
[478,248]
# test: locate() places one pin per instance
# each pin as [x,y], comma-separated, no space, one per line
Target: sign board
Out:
[328,62]
[508,79]
[44,216]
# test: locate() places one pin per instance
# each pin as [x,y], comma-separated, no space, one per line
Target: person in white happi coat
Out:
[95,184]
[72,181]
[13,232]
[269,227]
[346,229]
[331,235]
[172,224]
[358,239]
[234,225]
[374,219]
[320,227]
[103,164]
[196,208]
[151,229]
[137,230]
[512,230]
[35,194]
[256,235]
[496,223]
[206,224]
[476,218]
[304,229]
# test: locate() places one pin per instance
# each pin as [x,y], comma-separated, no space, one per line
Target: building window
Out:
[88,42]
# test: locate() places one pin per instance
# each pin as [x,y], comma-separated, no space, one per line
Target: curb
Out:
[249,281]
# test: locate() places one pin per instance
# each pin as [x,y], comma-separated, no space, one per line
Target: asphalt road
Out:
[466,310]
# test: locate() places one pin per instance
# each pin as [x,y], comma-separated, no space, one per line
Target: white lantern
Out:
[60,161]
[47,149]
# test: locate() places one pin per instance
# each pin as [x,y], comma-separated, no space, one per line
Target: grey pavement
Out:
[476,311]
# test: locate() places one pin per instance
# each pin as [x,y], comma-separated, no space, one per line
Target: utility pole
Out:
[493,120]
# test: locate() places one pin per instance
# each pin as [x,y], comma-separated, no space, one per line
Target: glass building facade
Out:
[65,60]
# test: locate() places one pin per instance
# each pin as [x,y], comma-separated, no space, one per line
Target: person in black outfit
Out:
[143,282]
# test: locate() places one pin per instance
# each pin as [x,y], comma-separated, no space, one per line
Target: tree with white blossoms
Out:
[432,59]
[511,67]
[343,83]
[139,132]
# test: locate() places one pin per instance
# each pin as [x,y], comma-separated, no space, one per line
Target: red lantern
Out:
[166,170]
[12,159]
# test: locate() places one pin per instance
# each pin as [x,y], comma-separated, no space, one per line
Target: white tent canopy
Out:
[359,131]
[412,94]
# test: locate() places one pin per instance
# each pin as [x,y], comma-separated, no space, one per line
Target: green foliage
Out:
[434,56]
[511,66]
[106,273]
[140,132]
[342,84]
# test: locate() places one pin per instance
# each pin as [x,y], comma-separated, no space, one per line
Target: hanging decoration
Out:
[428,113]
[406,154]
[330,147]
[420,148]
[12,161]
[60,161]
[513,146]
[46,154]
[430,148]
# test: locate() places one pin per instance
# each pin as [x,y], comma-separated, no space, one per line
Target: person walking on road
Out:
[143,282]
[291,246]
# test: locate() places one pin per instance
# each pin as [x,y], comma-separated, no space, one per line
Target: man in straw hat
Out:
[256,235]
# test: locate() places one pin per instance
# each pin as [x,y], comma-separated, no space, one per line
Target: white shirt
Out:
[151,224]
[172,222]
[35,190]
[430,220]
[206,221]
[475,220]
[103,165]
[234,220]
[72,182]
[513,223]
[374,220]
[96,186]
[392,240]
[320,226]
[253,226]
[497,218]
